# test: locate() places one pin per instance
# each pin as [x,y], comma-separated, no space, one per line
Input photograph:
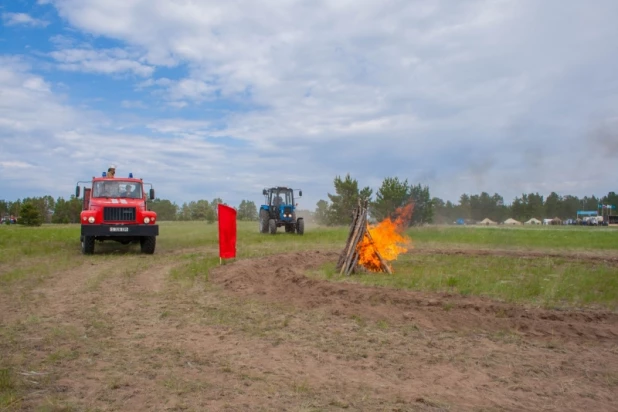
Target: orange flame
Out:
[389,240]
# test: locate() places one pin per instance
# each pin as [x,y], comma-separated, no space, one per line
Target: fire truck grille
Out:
[118,214]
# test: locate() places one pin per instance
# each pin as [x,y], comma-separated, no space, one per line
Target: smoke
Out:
[403,217]
[606,136]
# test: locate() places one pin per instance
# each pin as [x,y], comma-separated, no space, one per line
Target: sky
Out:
[208,99]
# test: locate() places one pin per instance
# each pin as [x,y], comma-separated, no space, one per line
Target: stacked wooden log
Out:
[349,259]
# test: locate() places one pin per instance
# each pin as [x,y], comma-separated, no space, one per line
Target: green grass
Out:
[18,243]
[8,388]
[548,237]
[547,282]
[76,336]
[31,253]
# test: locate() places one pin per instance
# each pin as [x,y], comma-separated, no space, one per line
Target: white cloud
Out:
[15,165]
[469,96]
[22,19]
[133,104]
[48,145]
[106,61]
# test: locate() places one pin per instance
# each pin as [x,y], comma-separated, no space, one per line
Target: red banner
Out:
[227,231]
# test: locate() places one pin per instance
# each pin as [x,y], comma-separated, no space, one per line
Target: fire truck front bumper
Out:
[120,230]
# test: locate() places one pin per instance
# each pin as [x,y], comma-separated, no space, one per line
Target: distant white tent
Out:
[532,221]
[511,221]
[487,222]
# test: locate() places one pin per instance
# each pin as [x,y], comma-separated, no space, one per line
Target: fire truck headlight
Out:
[91,219]
[146,220]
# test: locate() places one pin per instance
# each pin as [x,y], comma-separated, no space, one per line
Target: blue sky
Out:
[213,99]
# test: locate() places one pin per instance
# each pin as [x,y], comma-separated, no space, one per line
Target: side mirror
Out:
[264,192]
[77,191]
[300,193]
[152,194]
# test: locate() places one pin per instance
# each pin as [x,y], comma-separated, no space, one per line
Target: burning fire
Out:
[388,239]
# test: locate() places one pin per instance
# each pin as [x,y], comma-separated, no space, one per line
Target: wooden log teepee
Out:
[349,259]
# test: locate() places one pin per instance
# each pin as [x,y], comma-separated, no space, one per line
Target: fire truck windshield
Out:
[117,188]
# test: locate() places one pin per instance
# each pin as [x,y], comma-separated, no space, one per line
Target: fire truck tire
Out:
[300,226]
[147,244]
[272,226]
[87,245]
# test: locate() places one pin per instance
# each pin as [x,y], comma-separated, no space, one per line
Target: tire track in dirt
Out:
[282,278]
[168,351]
[596,257]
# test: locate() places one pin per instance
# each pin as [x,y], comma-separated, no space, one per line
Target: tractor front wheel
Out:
[87,245]
[300,226]
[272,226]
[263,221]
[147,244]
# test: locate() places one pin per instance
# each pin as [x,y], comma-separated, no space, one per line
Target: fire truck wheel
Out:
[87,245]
[147,244]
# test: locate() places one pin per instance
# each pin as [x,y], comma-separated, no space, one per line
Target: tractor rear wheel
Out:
[300,226]
[87,245]
[263,221]
[147,244]
[272,226]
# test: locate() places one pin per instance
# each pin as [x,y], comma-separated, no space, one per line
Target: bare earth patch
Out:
[115,333]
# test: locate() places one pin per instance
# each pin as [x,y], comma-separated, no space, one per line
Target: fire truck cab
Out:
[115,208]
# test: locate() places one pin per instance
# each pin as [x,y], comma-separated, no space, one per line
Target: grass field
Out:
[119,330]
[552,280]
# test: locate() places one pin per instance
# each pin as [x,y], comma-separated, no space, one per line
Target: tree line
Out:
[35,211]
[337,210]
[391,195]
[394,193]
[522,208]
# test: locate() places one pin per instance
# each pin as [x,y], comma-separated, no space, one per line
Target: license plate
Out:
[118,229]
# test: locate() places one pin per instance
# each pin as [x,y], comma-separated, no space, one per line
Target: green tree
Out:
[214,206]
[29,215]
[184,213]
[464,209]
[391,195]
[247,210]
[423,207]
[536,206]
[321,212]
[165,209]
[211,216]
[199,209]
[568,207]
[552,207]
[611,199]
[440,213]
[67,211]
[345,200]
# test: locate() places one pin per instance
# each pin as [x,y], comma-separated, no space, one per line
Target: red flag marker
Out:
[227,232]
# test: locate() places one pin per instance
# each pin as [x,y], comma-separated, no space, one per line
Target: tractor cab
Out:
[279,210]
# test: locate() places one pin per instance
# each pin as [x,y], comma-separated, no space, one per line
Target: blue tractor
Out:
[280,210]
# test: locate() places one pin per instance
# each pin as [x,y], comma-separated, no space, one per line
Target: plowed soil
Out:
[282,278]
[126,333]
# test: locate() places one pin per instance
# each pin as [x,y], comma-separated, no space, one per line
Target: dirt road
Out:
[129,333]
